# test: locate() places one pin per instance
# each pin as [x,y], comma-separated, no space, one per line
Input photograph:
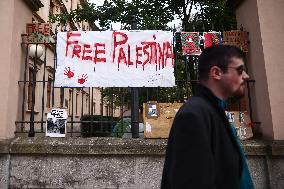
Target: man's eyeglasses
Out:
[240,69]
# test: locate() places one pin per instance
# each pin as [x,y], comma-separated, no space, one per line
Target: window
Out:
[30,88]
[106,110]
[87,104]
[66,102]
[76,101]
[51,8]
[101,109]
[48,92]
[94,108]
[110,110]
[61,97]
[57,10]
[70,102]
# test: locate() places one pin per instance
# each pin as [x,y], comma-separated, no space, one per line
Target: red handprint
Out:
[83,79]
[68,72]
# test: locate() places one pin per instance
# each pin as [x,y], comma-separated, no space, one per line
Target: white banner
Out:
[115,59]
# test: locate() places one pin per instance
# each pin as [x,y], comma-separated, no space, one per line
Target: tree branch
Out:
[190,8]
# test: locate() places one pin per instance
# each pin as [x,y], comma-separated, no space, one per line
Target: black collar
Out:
[203,91]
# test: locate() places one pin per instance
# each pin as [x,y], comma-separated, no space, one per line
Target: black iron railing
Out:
[99,109]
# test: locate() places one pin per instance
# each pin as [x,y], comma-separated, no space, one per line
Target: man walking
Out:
[203,150]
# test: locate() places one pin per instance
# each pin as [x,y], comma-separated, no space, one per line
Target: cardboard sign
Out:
[115,59]
[237,38]
[242,123]
[159,126]
[56,123]
[190,43]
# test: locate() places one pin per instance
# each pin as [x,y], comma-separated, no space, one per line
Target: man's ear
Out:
[215,73]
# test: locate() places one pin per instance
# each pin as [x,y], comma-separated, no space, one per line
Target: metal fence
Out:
[96,111]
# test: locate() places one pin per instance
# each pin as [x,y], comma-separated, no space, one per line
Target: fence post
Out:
[134,98]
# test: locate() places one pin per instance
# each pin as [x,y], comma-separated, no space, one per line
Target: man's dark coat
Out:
[202,152]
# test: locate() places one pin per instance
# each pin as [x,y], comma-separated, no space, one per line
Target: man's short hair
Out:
[218,55]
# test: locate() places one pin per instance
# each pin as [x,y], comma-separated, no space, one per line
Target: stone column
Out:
[14,15]
[264,22]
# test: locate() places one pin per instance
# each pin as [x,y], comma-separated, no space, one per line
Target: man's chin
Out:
[240,93]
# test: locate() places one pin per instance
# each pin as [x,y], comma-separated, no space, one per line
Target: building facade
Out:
[17,73]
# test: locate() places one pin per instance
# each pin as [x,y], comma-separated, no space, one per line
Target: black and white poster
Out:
[56,123]
[152,110]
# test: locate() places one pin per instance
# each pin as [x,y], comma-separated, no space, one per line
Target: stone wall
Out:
[112,163]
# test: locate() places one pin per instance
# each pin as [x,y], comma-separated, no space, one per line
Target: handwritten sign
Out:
[43,28]
[237,38]
[38,33]
[242,123]
[56,123]
[115,59]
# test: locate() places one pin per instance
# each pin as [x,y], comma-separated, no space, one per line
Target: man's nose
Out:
[245,76]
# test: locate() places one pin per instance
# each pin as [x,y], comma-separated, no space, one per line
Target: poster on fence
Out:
[56,123]
[115,59]
[241,121]
[190,42]
[152,110]
[38,32]
[212,38]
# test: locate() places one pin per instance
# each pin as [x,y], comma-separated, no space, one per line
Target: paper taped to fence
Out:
[241,121]
[190,42]
[115,59]
[56,123]
[212,38]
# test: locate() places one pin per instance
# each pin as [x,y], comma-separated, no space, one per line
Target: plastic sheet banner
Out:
[115,59]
